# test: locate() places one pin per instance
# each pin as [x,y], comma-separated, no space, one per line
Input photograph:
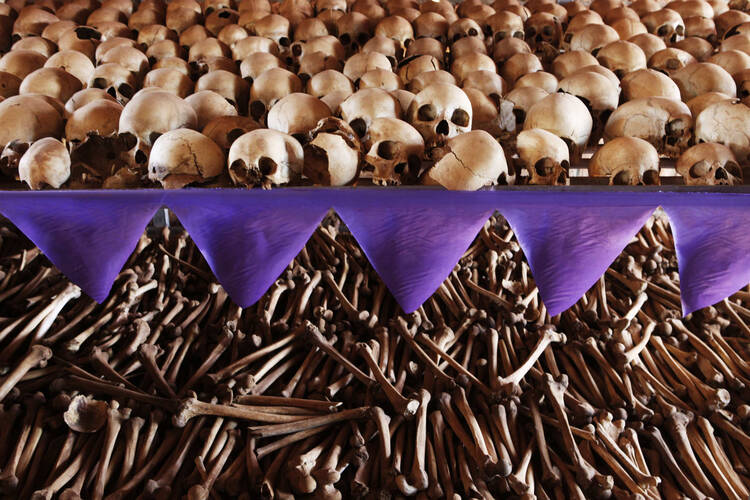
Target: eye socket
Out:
[530,32]
[699,169]
[426,113]
[651,178]
[663,30]
[622,178]
[460,118]
[266,165]
[499,36]
[733,168]
[680,29]
[547,31]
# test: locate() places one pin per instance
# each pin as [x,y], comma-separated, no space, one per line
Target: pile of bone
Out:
[123,94]
[327,388]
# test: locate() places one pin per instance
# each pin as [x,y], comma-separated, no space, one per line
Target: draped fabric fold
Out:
[413,242]
[712,241]
[412,236]
[247,241]
[88,235]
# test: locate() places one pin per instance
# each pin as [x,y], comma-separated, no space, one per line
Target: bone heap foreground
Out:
[327,388]
[122,94]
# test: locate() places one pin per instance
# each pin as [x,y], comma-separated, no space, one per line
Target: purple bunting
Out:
[88,235]
[713,247]
[248,239]
[413,242]
[569,247]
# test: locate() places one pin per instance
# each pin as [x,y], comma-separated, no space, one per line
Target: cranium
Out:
[439,112]
[155,33]
[244,48]
[181,18]
[568,62]
[698,78]
[691,8]
[491,114]
[389,47]
[380,79]
[46,163]
[593,37]
[53,82]
[82,39]
[507,48]
[520,65]
[359,64]
[23,120]
[182,156]
[22,62]
[83,97]
[105,15]
[643,7]
[463,47]
[37,44]
[709,164]
[224,130]
[599,95]
[564,115]
[543,33]
[521,100]
[468,162]
[648,83]
[475,61]
[269,87]
[210,47]
[312,64]
[31,21]
[404,97]
[700,27]
[503,24]
[479,13]
[309,29]
[622,57]
[726,21]
[73,63]
[91,136]
[9,84]
[627,28]
[116,80]
[577,23]
[110,44]
[418,83]
[233,88]
[670,60]
[208,105]
[442,7]
[743,83]
[161,49]
[295,10]
[626,161]
[145,17]
[129,58]
[169,79]
[665,123]
[174,63]
[396,28]
[545,157]
[255,64]
[739,41]
[297,114]
[275,27]
[698,104]
[328,44]
[733,61]
[332,153]
[417,66]
[431,25]
[666,24]
[265,158]
[727,123]
[649,43]
[330,86]
[353,30]
[621,12]
[219,19]
[394,151]
[362,107]
[487,82]
[147,116]
[426,47]
[231,33]
[541,79]
[697,47]
[462,28]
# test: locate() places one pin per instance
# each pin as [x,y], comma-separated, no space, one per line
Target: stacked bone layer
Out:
[326,388]
[126,94]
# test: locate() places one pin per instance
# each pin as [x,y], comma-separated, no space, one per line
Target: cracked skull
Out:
[709,164]
[181,157]
[332,153]
[394,151]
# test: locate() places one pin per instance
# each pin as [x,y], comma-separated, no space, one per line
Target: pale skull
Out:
[626,161]
[728,123]
[362,107]
[709,164]
[564,115]
[545,156]
[45,163]
[182,156]
[394,151]
[439,112]
[265,157]
[332,153]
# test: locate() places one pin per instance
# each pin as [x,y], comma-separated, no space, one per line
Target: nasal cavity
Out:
[359,126]
[443,127]
[721,174]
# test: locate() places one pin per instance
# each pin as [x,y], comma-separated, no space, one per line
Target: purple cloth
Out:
[412,236]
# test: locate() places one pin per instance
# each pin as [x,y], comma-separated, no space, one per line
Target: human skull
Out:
[701,27]
[598,93]
[116,80]
[182,156]
[330,86]
[698,78]
[564,115]
[208,105]
[52,82]
[593,37]
[269,87]
[541,79]
[297,114]
[665,123]
[244,48]
[577,23]
[233,88]
[45,163]
[670,60]
[503,24]
[83,97]
[418,66]
[428,47]
[732,60]
[462,28]
[224,130]
[394,151]
[36,43]
[255,64]
[396,28]
[544,33]
[431,25]
[622,57]
[649,43]
[404,97]
[568,62]
[648,83]
[666,24]
[698,104]
[309,29]
[353,30]
[626,161]
[697,47]
[275,27]
[362,107]
[147,116]
[627,28]
[507,48]
[727,123]
[380,79]
[23,120]
[418,83]
[91,136]
[545,156]
[468,162]
[709,164]
[491,114]
[74,63]
[332,153]
[163,49]
[439,112]
[169,79]
[22,62]
[359,64]
[521,99]
[520,65]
